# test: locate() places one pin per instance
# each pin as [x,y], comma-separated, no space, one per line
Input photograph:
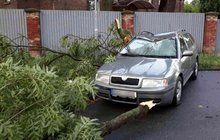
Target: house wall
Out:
[11,5]
[105,5]
[64,4]
[24,4]
[46,4]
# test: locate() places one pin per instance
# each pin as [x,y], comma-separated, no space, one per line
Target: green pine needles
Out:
[41,98]
[35,104]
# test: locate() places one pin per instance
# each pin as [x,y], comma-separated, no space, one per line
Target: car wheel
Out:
[196,71]
[178,92]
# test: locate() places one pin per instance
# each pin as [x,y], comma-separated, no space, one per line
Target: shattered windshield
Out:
[141,47]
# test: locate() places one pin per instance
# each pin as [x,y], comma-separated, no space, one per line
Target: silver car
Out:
[150,67]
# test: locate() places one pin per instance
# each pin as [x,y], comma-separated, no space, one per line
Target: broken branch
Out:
[122,119]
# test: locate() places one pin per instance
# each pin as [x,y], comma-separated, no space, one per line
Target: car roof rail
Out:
[182,30]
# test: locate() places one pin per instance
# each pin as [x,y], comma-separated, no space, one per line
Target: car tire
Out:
[178,92]
[195,71]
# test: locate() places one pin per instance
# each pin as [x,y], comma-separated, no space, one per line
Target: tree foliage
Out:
[40,98]
[76,57]
[210,5]
[33,101]
[193,7]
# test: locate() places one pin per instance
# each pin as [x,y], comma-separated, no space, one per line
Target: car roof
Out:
[157,37]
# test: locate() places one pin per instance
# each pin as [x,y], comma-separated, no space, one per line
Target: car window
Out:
[142,47]
[183,45]
[188,40]
[191,37]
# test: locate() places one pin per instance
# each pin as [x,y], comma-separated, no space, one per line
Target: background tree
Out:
[195,2]
[210,5]
[193,7]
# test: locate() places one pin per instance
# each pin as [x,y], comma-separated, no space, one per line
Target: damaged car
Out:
[150,67]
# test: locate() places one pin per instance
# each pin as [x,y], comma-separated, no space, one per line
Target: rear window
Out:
[189,40]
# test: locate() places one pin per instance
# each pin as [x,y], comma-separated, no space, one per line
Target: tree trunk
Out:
[167,5]
[162,7]
[122,119]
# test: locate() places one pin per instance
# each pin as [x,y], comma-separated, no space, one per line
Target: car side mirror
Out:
[187,53]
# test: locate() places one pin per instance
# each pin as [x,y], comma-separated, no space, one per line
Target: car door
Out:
[192,47]
[185,60]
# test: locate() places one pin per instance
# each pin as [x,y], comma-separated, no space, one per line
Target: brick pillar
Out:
[210,33]
[33,32]
[128,21]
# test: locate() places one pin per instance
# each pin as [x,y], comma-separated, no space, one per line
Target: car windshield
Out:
[165,48]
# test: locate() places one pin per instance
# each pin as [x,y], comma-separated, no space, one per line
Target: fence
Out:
[13,24]
[55,24]
[165,22]
[218,39]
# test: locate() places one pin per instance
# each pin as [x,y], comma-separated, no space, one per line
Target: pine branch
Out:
[122,119]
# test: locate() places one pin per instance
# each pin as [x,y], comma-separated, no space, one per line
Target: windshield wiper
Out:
[138,55]
[166,57]
[149,56]
[127,54]
[157,56]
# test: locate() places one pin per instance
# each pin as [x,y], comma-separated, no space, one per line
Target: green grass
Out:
[209,61]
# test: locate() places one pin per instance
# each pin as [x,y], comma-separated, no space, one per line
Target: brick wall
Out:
[34,32]
[128,21]
[210,33]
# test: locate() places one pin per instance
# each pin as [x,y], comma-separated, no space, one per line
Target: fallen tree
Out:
[45,104]
[122,119]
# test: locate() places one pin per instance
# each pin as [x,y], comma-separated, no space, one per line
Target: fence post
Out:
[128,21]
[34,32]
[210,33]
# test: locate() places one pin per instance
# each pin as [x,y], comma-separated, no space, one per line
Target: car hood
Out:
[138,66]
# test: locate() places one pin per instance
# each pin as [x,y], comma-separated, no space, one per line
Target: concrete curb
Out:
[209,69]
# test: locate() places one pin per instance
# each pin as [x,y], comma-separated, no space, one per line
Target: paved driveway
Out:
[197,118]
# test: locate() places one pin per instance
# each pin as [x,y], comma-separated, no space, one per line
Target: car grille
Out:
[128,81]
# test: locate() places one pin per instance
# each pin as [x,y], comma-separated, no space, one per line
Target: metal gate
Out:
[13,25]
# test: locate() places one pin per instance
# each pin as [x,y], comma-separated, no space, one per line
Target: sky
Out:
[188,1]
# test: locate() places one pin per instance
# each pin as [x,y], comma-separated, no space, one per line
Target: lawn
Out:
[209,62]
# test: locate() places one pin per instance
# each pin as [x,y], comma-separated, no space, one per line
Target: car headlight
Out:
[155,83]
[103,78]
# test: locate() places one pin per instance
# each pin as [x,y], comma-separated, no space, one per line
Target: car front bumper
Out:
[161,96]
